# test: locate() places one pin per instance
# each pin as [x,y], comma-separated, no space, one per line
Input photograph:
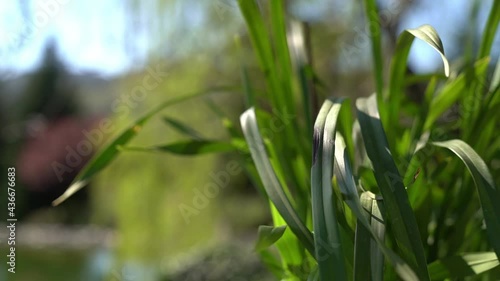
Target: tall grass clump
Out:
[354,193]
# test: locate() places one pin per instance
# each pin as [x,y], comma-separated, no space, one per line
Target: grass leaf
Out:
[463,265]
[190,147]
[452,92]
[376,43]
[490,30]
[101,159]
[345,179]
[399,212]
[425,33]
[268,235]
[326,233]
[182,128]
[271,183]
[369,259]
[489,195]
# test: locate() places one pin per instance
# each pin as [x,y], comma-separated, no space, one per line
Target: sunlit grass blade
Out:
[490,30]
[425,33]
[452,92]
[268,235]
[494,91]
[289,247]
[345,179]
[190,147]
[369,259]
[489,195]
[463,265]
[299,44]
[399,212]
[257,29]
[263,49]
[101,159]
[271,182]
[377,223]
[373,260]
[182,128]
[327,240]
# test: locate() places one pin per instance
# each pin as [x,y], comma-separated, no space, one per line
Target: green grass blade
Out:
[495,85]
[326,233]
[490,30]
[289,247]
[271,183]
[489,195]
[299,44]
[268,235]
[190,147]
[226,121]
[495,81]
[247,87]
[369,259]
[282,54]
[376,43]
[258,33]
[425,33]
[362,244]
[461,266]
[314,275]
[399,212]
[419,121]
[345,179]
[418,158]
[452,92]
[100,160]
[182,128]
[377,223]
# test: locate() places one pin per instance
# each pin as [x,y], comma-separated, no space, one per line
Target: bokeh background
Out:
[70,68]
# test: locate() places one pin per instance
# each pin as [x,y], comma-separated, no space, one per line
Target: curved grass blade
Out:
[268,235]
[110,151]
[345,179]
[425,33]
[190,147]
[369,261]
[327,239]
[399,212]
[489,195]
[271,183]
[464,265]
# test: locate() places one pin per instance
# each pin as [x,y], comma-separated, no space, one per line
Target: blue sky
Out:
[91,35]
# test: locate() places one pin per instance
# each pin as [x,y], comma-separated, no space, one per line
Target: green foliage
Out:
[417,204]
